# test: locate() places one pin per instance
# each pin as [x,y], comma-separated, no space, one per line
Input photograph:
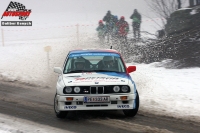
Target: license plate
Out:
[97,99]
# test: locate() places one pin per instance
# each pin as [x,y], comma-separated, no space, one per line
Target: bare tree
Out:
[163,8]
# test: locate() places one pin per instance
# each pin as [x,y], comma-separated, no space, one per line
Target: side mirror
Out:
[58,70]
[131,69]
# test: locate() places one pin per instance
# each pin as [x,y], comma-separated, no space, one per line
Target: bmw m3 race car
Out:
[96,79]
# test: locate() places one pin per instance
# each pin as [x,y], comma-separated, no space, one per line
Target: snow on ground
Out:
[29,63]
[163,91]
[10,124]
[171,92]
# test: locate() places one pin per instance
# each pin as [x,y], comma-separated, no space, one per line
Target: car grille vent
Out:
[97,105]
[97,90]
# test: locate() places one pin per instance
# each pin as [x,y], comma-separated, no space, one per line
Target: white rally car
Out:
[95,80]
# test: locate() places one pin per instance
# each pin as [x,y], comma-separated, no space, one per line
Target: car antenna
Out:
[110,47]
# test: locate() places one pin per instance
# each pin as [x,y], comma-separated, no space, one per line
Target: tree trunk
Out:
[191,3]
[179,4]
[198,2]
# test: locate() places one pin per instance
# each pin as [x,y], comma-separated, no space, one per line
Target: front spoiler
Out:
[130,104]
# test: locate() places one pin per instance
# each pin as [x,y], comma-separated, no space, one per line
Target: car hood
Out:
[96,78]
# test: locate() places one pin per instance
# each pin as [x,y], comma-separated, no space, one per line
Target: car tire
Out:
[133,112]
[59,114]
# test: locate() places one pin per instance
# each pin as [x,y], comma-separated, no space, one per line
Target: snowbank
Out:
[171,92]
[10,124]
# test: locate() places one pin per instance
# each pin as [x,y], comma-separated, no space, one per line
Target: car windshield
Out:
[94,62]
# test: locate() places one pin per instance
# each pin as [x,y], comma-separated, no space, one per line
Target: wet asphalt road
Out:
[36,104]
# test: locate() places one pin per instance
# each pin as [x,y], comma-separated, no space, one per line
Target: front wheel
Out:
[59,114]
[133,112]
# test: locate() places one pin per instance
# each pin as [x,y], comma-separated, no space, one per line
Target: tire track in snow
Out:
[130,126]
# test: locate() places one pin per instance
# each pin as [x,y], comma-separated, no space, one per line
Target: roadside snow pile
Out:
[193,12]
[170,92]
[9,124]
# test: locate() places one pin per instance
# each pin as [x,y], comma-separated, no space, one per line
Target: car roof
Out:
[93,51]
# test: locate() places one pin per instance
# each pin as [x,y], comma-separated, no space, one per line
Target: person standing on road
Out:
[136,17]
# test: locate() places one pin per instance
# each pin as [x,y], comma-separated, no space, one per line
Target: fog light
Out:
[123,97]
[69,98]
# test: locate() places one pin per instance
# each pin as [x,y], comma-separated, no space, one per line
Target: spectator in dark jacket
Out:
[136,17]
[109,19]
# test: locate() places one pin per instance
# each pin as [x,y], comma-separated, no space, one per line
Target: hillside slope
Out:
[182,50]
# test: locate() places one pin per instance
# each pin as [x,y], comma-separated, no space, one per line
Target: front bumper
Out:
[78,104]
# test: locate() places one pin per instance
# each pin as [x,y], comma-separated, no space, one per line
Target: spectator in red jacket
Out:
[123,28]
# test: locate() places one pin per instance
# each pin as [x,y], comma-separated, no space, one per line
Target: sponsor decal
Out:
[123,106]
[70,107]
[119,75]
[96,82]
[123,80]
[69,81]
[97,78]
[94,54]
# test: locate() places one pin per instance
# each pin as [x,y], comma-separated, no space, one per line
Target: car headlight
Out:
[124,88]
[77,89]
[116,88]
[68,89]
